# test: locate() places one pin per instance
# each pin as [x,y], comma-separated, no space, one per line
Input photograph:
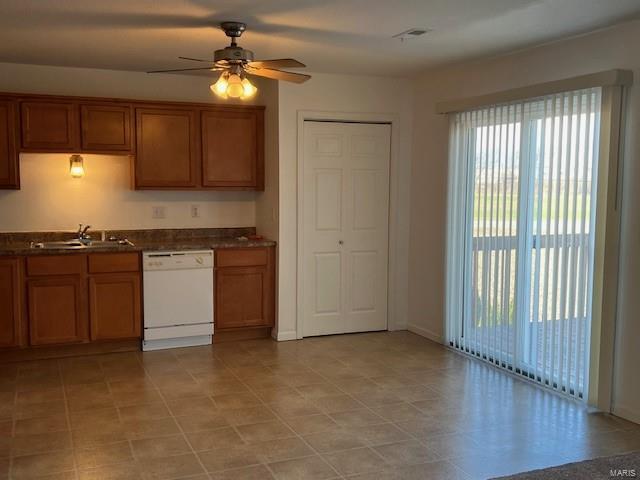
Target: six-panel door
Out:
[166,148]
[50,126]
[9,302]
[57,310]
[114,306]
[345,227]
[9,171]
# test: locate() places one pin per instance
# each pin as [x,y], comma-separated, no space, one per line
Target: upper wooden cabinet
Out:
[10,301]
[166,148]
[106,128]
[50,126]
[233,149]
[9,172]
[175,146]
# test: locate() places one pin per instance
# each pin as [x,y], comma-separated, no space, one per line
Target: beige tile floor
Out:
[368,406]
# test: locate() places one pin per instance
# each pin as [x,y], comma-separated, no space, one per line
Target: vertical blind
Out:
[521,214]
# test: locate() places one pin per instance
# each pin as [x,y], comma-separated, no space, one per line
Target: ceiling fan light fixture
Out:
[249,89]
[221,86]
[235,88]
[236,62]
[233,85]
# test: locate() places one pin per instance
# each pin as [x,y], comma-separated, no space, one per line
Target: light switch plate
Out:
[159,212]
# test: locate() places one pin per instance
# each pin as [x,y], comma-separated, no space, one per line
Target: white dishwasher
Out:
[178,299]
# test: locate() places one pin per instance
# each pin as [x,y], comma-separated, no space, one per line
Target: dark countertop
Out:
[19,244]
[194,244]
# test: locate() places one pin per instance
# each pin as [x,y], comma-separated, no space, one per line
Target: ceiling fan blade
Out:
[277,63]
[279,75]
[213,69]
[196,59]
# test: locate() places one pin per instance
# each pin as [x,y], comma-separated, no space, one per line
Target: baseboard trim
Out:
[285,336]
[234,335]
[424,332]
[627,414]
[61,351]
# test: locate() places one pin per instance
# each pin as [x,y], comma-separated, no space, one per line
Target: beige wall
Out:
[267,201]
[607,49]
[343,94]
[50,199]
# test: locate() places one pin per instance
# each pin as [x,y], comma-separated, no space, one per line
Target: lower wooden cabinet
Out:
[10,299]
[81,298]
[245,288]
[114,306]
[57,310]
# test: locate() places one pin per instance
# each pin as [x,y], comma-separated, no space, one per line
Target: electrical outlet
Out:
[159,212]
[195,211]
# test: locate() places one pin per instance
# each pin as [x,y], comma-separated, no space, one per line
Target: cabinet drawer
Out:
[113,262]
[56,265]
[241,257]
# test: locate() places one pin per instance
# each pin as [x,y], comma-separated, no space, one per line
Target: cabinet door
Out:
[9,302]
[9,171]
[233,149]
[106,128]
[241,297]
[57,310]
[166,153]
[114,306]
[50,126]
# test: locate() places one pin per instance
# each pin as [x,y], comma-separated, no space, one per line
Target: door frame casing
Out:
[393,296]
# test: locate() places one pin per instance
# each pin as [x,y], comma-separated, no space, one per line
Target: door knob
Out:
[340,242]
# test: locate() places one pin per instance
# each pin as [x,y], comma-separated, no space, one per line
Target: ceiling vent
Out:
[411,33]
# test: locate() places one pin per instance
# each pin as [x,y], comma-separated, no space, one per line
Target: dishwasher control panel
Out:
[184,260]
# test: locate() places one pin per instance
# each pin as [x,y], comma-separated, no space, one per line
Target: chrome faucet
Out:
[83,236]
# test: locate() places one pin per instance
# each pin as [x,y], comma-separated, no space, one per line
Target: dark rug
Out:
[616,467]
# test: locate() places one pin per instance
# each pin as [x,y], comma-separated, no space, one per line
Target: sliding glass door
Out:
[520,235]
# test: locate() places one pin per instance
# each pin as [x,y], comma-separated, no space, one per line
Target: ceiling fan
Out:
[236,62]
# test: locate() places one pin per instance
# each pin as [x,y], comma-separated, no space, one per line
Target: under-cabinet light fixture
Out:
[76,166]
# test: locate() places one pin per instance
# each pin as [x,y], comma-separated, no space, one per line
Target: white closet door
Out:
[345,202]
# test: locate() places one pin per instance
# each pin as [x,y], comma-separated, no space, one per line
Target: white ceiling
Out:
[348,36]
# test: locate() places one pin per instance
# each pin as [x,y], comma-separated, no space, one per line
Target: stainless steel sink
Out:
[71,244]
[78,245]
